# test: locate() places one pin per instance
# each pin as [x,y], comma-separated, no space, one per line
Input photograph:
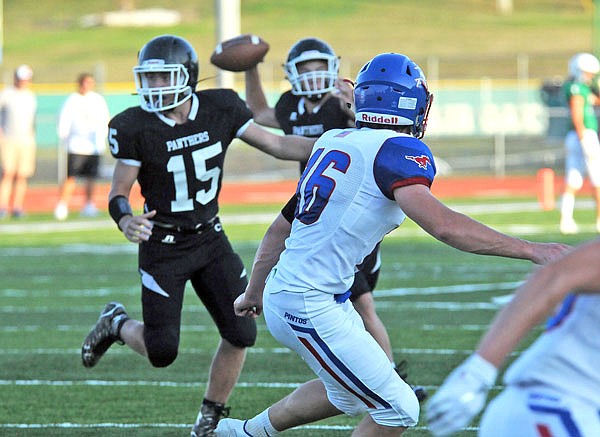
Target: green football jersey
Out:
[590,121]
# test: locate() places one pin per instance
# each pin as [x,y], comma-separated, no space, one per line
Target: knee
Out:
[161,348]
[244,334]
[162,357]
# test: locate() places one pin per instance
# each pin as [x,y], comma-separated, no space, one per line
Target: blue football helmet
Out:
[391,89]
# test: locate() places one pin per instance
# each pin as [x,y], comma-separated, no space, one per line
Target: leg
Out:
[597,199]
[19,198]
[218,285]
[369,428]
[90,172]
[567,223]
[61,211]
[575,168]
[89,190]
[363,301]
[224,371]
[89,209]
[332,340]
[6,186]
[308,403]
[132,334]
[365,305]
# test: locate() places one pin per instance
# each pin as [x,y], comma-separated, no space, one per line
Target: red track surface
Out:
[44,198]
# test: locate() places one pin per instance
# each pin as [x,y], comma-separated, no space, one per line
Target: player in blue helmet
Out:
[359,184]
[317,102]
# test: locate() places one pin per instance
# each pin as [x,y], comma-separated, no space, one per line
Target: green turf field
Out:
[434,300]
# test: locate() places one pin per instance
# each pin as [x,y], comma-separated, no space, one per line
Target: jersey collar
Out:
[191,116]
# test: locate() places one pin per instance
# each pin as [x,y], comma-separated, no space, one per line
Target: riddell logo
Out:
[368,117]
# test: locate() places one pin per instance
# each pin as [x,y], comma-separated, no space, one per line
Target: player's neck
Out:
[180,113]
[315,105]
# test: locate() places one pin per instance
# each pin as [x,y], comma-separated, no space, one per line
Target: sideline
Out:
[76,225]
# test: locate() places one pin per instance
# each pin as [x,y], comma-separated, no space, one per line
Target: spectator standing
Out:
[82,131]
[581,143]
[18,106]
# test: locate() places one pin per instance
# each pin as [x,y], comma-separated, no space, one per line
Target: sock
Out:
[567,206]
[117,324]
[260,425]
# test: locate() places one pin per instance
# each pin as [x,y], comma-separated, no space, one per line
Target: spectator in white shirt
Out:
[18,106]
[82,131]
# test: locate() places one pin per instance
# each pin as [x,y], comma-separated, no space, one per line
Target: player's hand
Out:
[344,90]
[137,228]
[543,253]
[246,306]
[461,396]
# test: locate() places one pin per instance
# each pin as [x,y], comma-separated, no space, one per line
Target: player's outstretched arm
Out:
[463,393]
[287,147]
[578,271]
[466,234]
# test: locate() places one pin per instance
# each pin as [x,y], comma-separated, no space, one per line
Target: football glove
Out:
[461,396]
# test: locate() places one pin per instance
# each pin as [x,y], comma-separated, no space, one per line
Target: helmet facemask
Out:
[312,84]
[166,74]
[161,98]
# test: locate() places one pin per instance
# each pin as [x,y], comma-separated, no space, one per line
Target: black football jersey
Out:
[294,119]
[181,165]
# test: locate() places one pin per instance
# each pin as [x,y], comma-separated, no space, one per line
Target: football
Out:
[240,53]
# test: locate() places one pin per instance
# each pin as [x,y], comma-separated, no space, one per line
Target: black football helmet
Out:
[312,84]
[174,56]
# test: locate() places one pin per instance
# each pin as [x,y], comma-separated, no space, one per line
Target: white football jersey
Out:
[346,204]
[567,354]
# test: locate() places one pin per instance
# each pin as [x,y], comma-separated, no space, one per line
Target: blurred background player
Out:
[174,145]
[18,106]
[581,143]
[553,388]
[82,131]
[317,102]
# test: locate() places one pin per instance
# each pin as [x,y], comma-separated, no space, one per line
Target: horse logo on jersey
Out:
[422,160]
